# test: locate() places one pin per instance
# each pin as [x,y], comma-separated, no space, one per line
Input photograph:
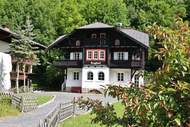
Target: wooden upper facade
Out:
[102,45]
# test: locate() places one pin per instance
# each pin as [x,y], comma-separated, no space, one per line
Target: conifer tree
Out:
[22,51]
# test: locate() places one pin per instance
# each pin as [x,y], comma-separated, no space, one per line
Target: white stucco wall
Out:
[114,76]
[95,83]
[4,46]
[70,82]
[111,77]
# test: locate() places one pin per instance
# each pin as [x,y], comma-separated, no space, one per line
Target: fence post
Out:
[59,112]
[74,106]
[22,104]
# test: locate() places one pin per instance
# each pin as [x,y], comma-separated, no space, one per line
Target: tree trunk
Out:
[17,77]
[24,81]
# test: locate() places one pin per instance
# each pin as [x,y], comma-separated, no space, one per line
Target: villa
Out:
[98,54]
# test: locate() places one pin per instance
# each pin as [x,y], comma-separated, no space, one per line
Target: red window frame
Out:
[99,59]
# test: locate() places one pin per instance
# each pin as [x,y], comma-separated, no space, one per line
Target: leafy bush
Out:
[165,101]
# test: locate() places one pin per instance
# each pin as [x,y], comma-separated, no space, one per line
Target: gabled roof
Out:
[96,26]
[139,37]
[58,40]
[16,36]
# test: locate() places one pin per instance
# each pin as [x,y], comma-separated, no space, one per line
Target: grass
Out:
[41,99]
[85,120]
[6,109]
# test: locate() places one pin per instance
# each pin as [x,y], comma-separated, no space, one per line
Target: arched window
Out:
[101,76]
[90,76]
[77,43]
[117,42]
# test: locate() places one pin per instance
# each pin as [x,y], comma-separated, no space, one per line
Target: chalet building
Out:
[98,54]
[6,37]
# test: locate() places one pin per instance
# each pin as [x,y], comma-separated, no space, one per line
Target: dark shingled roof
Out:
[16,36]
[58,40]
[139,37]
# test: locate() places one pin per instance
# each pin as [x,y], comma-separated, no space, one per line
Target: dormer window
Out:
[117,42]
[93,36]
[78,43]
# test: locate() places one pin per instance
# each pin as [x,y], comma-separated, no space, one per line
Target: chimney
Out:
[118,25]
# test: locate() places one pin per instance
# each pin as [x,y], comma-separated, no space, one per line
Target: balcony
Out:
[126,64]
[21,75]
[95,42]
[68,63]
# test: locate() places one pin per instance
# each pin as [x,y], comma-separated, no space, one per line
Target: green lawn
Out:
[41,99]
[6,109]
[85,120]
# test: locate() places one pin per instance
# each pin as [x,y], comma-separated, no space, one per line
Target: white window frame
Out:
[76,56]
[121,56]
[104,54]
[117,42]
[75,75]
[89,51]
[90,75]
[78,43]
[97,55]
[120,77]
[101,76]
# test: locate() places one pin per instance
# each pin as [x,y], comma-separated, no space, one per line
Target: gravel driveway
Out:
[31,119]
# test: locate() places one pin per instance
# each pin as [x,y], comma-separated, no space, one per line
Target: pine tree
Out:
[22,51]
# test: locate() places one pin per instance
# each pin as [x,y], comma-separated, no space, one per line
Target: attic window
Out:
[93,36]
[117,42]
[77,43]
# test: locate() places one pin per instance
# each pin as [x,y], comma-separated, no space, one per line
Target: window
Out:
[95,55]
[102,55]
[93,36]
[103,35]
[102,38]
[77,43]
[101,76]
[76,76]
[90,76]
[136,56]
[117,42]
[89,54]
[76,56]
[120,76]
[120,55]
[136,79]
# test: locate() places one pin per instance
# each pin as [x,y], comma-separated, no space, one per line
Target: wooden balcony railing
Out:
[68,63]
[126,64]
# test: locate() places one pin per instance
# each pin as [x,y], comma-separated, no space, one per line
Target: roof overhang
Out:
[9,34]
[140,38]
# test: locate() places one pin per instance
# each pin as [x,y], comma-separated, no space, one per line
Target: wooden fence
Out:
[6,94]
[60,113]
[24,103]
